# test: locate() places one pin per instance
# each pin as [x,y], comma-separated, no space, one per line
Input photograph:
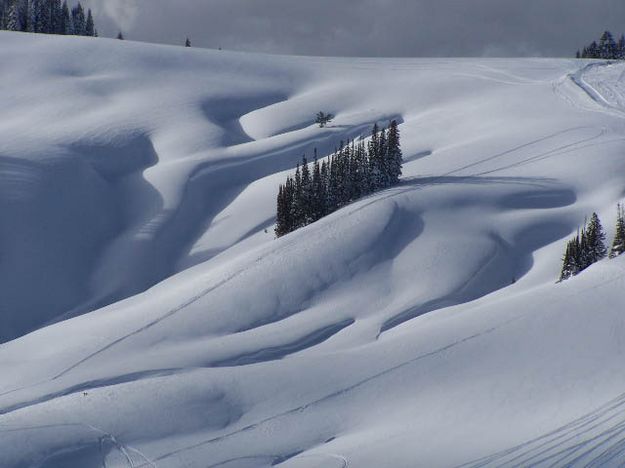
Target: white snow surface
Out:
[420,326]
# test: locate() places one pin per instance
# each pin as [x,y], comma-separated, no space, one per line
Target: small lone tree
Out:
[120,36]
[323,119]
[618,246]
[187,43]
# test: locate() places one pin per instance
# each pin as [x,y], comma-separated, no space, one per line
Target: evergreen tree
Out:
[297,208]
[333,197]
[281,209]
[120,36]
[394,153]
[325,183]
[323,119]
[582,259]
[284,222]
[620,48]
[65,26]
[187,43]
[595,238]
[12,19]
[55,16]
[306,194]
[375,164]
[79,20]
[385,180]
[41,16]
[360,177]
[569,264]
[607,46]
[27,10]
[618,245]
[317,202]
[90,25]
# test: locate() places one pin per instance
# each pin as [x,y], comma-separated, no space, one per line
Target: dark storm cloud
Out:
[368,27]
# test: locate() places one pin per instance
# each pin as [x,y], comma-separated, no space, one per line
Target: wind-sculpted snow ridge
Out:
[419,326]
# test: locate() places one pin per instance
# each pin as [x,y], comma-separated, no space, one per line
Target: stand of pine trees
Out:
[46,16]
[584,249]
[353,171]
[607,48]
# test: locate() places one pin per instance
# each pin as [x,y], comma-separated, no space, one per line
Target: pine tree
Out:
[325,174]
[12,21]
[621,48]
[323,119]
[281,214]
[375,166]
[607,46]
[569,267]
[79,20]
[332,202]
[41,16]
[618,245]
[317,201]
[582,259]
[394,153]
[385,179]
[306,200]
[360,176]
[283,225]
[187,43]
[26,8]
[120,36]
[90,25]
[55,16]
[297,207]
[595,238]
[66,26]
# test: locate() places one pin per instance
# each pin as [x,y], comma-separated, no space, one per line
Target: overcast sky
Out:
[407,28]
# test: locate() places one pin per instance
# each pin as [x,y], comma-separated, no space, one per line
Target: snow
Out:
[420,326]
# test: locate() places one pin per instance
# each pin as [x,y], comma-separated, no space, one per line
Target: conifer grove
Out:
[46,16]
[607,48]
[584,249]
[353,171]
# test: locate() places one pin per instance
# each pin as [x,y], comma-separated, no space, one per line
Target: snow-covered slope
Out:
[421,326]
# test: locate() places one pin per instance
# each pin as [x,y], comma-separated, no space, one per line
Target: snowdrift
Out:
[150,318]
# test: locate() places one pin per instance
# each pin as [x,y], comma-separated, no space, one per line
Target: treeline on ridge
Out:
[607,48]
[353,171]
[46,16]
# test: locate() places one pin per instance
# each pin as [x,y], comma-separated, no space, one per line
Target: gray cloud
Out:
[405,28]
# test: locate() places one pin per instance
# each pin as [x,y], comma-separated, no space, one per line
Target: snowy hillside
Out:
[420,326]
